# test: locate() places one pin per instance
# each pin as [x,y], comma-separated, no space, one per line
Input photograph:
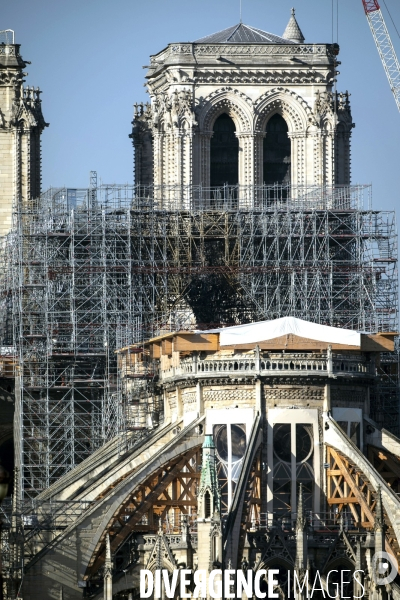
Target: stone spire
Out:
[209,529]
[21,125]
[293,31]
[209,494]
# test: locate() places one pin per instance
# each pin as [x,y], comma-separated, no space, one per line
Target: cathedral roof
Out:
[293,31]
[244,34]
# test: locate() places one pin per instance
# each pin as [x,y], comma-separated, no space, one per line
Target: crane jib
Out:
[370,6]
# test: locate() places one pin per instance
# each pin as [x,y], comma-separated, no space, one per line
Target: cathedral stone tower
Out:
[253,448]
[21,125]
[243,106]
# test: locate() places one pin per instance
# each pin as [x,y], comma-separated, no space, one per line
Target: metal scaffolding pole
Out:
[91,270]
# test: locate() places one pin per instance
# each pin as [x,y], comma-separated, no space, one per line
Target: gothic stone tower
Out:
[21,125]
[247,117]
[246,107]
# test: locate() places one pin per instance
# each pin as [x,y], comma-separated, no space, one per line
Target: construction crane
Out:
[385,47]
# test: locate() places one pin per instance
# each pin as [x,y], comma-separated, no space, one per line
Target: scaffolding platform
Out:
[87,271]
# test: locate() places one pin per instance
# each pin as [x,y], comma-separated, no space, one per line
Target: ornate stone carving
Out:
[27,110]
[327,104]
[11,77]
[288,103]
[263,77]
[173,111]
[227,99]
[9,49]
[253,50]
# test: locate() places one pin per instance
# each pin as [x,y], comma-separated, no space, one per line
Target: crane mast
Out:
[385,47]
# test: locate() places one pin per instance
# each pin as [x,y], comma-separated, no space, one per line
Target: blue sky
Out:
[87,57]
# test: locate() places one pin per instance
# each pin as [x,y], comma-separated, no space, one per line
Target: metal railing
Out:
[287,198]
[6,36]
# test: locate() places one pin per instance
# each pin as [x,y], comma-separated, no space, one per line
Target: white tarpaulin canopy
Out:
[268,330]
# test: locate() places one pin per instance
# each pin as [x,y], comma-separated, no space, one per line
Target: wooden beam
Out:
[164,478]
[348,500]
[188,342]
[352,484]
[378,342]
[155,350]
[366,509]
[177,503]
[166,347]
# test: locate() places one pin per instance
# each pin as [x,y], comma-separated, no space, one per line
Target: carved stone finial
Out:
[160,527]
[108,550]
[293,31]
[108,571]
[301,515]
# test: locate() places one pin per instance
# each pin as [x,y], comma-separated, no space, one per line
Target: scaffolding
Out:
[92,270]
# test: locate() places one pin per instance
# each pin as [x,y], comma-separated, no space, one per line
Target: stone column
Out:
[258,157]
[157,157]
[205,139]
[108,571]
[199,399]
[298,158]
[246,169]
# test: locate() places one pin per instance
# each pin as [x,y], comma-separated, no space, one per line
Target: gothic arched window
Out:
[286,471]
[277,152]
[224,153]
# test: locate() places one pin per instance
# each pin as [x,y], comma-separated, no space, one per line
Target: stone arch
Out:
[281,561]
[240,108]
[336,564]
[166,564]
[226,100]
[297,114]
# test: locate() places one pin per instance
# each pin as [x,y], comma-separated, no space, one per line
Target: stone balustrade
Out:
[271,364]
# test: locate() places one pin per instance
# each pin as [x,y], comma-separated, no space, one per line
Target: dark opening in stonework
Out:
[224,153]
[207,505]
[277,152]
